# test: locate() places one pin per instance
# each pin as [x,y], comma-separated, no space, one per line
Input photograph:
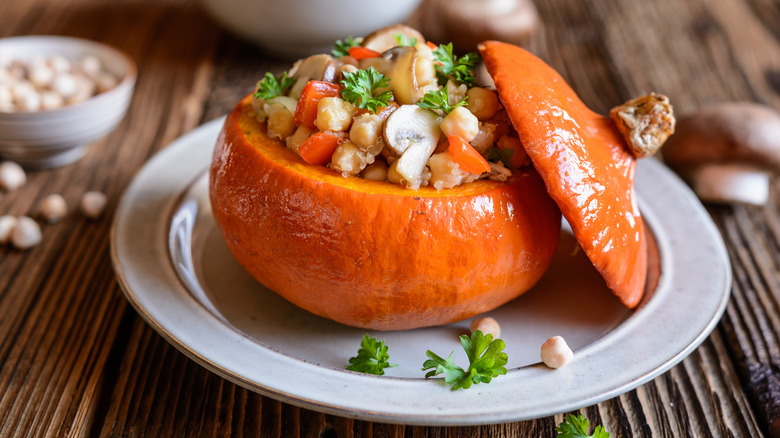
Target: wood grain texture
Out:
[76,360]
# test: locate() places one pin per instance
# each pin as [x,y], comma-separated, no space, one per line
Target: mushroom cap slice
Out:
[587,167]
[320,67]
[385,38]
[412,133]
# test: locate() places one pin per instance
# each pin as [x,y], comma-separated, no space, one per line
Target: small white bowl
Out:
[51,138]
[297,28]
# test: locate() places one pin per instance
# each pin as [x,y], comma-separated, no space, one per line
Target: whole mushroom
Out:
[727,152]
[466,23]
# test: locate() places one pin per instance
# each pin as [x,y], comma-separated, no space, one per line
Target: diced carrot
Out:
[359,52]
[382,112]
[319,147]
[519,156]
[306,109]
[466,156]
[431,45]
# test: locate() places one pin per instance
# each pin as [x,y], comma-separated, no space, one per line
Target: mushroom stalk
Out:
[726,183]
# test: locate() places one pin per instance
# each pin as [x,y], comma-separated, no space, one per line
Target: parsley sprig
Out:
[364,89]
[577,427]
[461,69]
[341,48]
[372,357]
[486,361]
[503,155]
[271,86]
[404,40]
[439,100]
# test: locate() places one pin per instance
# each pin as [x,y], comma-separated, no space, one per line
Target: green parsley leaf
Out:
[372,357]
[363,88]
[439,100]
[577,427]
[404,40]
[503,155]
[460,69]
[271,86]
[342,48]
[486,361]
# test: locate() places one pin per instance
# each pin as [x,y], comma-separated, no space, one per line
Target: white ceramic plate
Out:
[177,272]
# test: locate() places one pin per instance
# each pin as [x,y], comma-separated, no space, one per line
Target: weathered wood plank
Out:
[74,358]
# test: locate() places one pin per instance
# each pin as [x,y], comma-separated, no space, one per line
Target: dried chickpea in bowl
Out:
[58,95]
[46,82]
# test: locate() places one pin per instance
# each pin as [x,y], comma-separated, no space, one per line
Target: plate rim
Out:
[201,140]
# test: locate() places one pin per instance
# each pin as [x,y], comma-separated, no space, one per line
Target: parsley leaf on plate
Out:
[366,89]
[372,357]
[577,427]
[271,86]
[486,361]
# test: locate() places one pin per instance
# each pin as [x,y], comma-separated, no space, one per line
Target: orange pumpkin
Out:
[373,254]
[587,166]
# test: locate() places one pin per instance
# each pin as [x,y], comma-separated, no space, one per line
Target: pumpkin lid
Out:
[583,159]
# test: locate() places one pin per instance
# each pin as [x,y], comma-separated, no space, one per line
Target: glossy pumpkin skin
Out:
[372,254]
[584,161]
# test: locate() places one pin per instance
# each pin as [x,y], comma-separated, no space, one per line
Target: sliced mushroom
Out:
[727,151]
[385,38]
[412,133]
[316,67]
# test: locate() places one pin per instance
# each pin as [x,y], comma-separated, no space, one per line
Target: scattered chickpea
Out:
[93,204]
[12,176]
[53,208]
[486,325]
[7,225]
[26,234]
[556,353]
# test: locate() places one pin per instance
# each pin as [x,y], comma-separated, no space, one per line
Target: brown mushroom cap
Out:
[733,132]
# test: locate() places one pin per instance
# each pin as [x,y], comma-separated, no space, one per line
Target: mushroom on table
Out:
[727,151]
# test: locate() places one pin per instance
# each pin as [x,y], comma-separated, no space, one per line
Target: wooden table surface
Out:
[77,360]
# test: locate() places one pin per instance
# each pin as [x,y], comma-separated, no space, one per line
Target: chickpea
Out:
[7,225]
[281,123]
[486,325]
[483,103]
[333,114]
[445,173]
[53,208]
[376,171]
[12,176]
[460,122]
[298,137]
[365,130]
[555,353]
[93,203]
[26,234]
[349,159]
